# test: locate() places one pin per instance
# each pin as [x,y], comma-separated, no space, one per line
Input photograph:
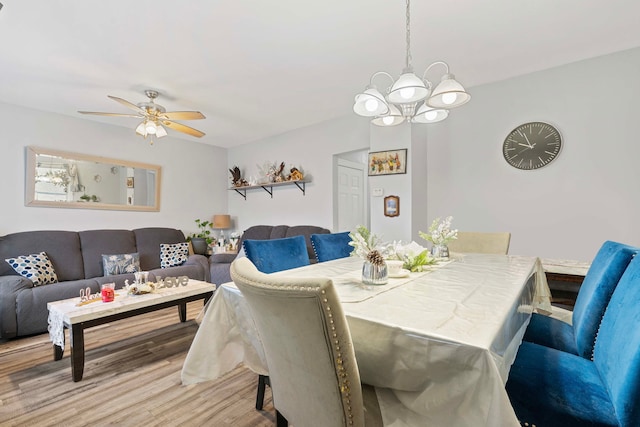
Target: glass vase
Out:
[440,251]
[373,274]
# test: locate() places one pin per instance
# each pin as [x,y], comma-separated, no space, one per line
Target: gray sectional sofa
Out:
[220,264]
[77,260]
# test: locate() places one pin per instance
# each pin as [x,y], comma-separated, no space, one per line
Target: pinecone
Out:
[375,258]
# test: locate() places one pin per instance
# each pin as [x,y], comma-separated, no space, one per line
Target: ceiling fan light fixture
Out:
[160,131]
[141,129]
[150,127]
[154,117]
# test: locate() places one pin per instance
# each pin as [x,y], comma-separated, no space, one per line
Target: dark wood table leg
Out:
[76,337]
[58,352]
[182,311]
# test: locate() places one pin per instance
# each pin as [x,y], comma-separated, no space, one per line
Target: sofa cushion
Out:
[31,306]
[120,263]
[306,231]
[35,267]
[274,255]
[173,254]
[95,243]
[148,241]
[62,248]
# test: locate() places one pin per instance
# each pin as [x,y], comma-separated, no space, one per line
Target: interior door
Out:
[351,195]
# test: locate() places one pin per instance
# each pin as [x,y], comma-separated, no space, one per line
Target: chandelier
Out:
[410,98]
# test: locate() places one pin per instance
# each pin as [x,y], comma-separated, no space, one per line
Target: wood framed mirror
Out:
[61,179]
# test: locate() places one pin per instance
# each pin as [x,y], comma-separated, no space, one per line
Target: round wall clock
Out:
[532,145]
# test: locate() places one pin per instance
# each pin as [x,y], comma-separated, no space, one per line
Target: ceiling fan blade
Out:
[182,115]
[127,104]
[183,128]
[110,114]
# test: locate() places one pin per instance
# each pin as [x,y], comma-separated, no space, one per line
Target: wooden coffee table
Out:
[67,314]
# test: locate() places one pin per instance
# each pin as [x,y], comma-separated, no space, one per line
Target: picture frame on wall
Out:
[129,182]
[392,206]
[388,162]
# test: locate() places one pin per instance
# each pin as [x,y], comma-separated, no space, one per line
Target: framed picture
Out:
[392,206]
[388,162]
[130,182]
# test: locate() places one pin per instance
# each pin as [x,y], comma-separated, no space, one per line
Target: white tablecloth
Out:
[437,345]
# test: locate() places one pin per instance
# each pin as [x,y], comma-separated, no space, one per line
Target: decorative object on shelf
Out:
[415,256]
[440,234]
[388,162]
[368,246]
[200,240]
[270,172]
[532,145]
[236,177]
[88,198]
[221,222]
[402,98]
[295,175]
[268,187]
[392,206]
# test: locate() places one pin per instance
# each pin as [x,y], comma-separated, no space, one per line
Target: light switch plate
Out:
[377,192]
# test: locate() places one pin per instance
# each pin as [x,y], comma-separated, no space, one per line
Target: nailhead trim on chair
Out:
[345,384]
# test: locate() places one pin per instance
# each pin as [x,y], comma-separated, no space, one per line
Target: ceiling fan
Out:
[154,117]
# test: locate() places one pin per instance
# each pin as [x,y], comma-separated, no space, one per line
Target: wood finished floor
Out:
[131,378]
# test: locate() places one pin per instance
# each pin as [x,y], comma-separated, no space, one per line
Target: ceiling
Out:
[259,68]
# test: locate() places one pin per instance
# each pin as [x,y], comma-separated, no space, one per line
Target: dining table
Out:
[437,345]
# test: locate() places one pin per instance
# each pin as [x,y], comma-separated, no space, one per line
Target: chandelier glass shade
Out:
[410,97]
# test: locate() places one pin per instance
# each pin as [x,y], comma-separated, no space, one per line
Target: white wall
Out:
[568,208]
[193,174]
[565,210]
[311,149]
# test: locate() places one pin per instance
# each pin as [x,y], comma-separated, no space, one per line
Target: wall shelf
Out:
[268,187]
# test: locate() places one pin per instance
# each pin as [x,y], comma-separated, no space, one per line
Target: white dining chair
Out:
[480,243]
[308,349]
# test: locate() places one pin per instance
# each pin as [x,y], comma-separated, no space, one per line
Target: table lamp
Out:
[221,222]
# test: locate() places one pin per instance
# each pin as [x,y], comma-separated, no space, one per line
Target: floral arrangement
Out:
[366,245]
[415,257]
[139,288]
[440,232]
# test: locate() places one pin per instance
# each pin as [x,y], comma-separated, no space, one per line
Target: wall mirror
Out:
[70,180]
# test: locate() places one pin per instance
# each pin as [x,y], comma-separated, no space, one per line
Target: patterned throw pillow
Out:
[35,267]
[120,264]
[173,254]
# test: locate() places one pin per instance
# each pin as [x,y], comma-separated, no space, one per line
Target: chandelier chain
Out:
[408,15]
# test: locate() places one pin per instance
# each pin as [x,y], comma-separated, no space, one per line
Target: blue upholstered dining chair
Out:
[331,246]
[274,255]
[270,256]
[597,287]
[548,387]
